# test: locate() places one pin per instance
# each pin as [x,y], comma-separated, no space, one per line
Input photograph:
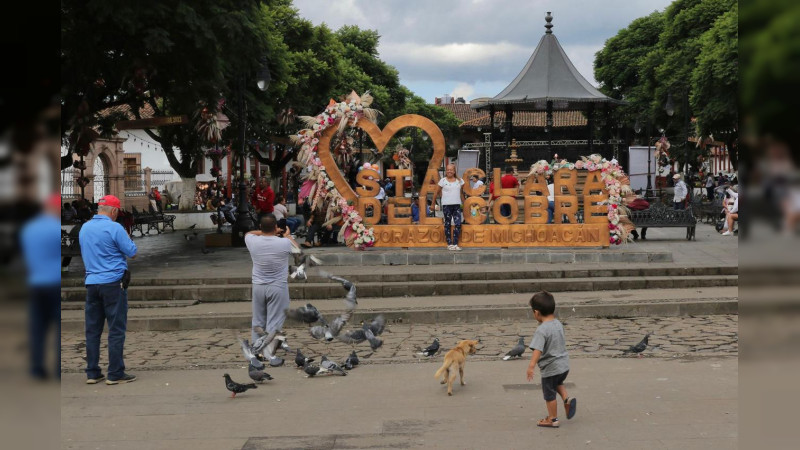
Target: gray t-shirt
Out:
[270,255]
[549,339]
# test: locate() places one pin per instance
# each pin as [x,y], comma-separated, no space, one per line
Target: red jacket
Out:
[264,201]
[638,204]
[507,181]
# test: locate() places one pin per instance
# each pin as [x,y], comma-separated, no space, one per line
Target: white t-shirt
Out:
[280,211]
[476,184]
[451,191]
[381,194]
[551,195]
[270,255]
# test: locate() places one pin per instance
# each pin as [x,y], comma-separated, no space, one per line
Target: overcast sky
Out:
[474,48]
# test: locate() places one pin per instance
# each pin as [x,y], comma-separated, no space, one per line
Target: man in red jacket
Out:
[263,199]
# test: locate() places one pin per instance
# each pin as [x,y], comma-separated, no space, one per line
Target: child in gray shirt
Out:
[550,353]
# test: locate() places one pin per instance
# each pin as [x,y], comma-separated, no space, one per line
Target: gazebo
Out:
[548,82]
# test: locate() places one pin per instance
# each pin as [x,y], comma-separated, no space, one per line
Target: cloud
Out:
[478,43]
[463,90]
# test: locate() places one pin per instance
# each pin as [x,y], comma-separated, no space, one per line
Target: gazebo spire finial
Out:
[549,18]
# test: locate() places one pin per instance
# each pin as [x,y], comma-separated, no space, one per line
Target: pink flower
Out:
[611,226]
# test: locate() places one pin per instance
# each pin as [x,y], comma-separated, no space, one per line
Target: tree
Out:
[715,82]
[178,57]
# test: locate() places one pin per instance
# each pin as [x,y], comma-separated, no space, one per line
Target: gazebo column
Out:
[491,131]
[590,124]
[606,130]
[509,126]
[548,127]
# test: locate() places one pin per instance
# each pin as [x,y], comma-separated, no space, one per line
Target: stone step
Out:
[461,314]
[74,306]
[445,273]
[454,286]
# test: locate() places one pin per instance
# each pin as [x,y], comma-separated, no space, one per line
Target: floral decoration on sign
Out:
[317,186]
[616,183]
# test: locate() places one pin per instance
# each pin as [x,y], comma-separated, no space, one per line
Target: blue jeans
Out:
[106,302]
[293,223]
[551,209]
[505,210]
[679,206]
[44,311]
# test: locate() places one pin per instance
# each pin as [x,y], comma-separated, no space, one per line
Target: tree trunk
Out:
[186,202]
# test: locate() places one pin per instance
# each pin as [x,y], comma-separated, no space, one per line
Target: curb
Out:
[446,315]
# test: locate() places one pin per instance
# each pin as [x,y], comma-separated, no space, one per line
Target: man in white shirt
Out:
[551,203]
[681,191]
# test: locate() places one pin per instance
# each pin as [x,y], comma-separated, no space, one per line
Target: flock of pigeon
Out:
[327,331]
[324,330]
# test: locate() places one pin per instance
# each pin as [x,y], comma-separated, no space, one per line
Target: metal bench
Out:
[659,215]
[166,220]
[706,211]
[140,219]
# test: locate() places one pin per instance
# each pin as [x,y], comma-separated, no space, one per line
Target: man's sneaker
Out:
[456,248]
[96,380]
[275,361]
[127,378]
[727,233]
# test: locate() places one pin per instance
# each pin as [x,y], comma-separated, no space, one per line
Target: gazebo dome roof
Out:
[549,75]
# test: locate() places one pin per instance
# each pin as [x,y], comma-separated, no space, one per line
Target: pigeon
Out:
[640,347]
[235,387]
[307,314]
[299,273]
[350,299]
[326,363]
[257,375]
[249,354]
[377,325]
[351,361]
[374,342]
[517,351]
[358,336]
[312,370]
[300,359]
[431,349]
[191,227]
[191,237]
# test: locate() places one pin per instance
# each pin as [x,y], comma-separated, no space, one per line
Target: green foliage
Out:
[770,50]
[688,51]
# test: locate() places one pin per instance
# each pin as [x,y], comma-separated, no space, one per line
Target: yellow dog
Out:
[458,355]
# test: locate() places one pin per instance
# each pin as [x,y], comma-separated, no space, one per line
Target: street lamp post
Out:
[244,222]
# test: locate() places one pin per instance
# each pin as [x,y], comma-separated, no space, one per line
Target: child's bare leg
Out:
[552,409]
[562,391]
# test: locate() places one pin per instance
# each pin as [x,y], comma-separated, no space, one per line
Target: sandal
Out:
[307,244]
[570,406]
[547,423]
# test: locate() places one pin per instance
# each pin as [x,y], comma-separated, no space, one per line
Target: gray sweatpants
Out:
[269,303]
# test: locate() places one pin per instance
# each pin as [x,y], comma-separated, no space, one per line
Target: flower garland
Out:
[611,174]
[318,187]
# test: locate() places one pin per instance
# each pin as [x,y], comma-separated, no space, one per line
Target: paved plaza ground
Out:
[683,392]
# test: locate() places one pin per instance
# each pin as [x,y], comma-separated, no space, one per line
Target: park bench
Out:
[659,215]
[140,219]
[706,211]
[166,220]
[70,246]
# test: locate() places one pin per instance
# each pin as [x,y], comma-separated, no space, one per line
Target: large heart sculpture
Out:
[380,138]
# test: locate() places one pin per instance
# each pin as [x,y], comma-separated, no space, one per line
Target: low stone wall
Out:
[184,220]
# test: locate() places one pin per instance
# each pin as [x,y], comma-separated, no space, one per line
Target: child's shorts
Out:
[549,385]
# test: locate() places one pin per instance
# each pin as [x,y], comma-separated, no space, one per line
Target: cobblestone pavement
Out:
[674,337]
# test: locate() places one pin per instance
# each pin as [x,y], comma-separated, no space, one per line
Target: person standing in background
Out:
[43,259]
[104,248]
